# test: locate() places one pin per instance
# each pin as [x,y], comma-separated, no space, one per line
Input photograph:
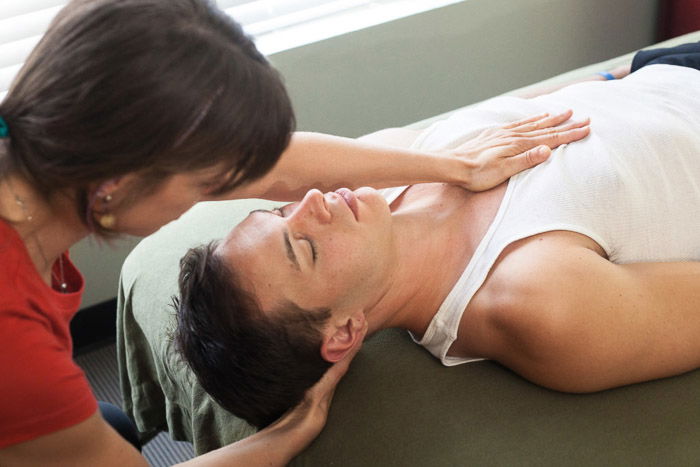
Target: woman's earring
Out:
[107,221]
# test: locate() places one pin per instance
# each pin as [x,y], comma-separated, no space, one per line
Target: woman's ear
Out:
[108,187]
[339,340]
[113,185]
[109,191]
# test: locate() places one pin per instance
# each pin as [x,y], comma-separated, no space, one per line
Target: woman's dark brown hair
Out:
[153,87]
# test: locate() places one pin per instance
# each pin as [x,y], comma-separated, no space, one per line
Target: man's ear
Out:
[338,340]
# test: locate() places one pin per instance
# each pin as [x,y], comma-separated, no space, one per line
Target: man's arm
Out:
[584,324]
[326,162]
[617,72]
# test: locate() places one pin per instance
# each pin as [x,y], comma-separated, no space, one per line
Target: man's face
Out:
[327,251]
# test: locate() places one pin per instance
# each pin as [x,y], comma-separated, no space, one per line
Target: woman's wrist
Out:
[297,428]
[455,170]
[275,445]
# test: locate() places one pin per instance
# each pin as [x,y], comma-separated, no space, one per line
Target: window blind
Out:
[263,16]
[22,22]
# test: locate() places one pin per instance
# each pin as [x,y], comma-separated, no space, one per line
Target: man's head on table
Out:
[265,311]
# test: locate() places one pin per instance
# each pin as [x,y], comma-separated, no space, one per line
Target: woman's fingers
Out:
[557,129]
[526,160]
[325,387]
[504,151]
[540,148]
[309,416]
[524,121]
[557,138]
[549,121]
[539,121]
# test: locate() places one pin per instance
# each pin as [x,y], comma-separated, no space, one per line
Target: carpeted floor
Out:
[100,366]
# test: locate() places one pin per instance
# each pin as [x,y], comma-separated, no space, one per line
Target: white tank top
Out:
[633,185]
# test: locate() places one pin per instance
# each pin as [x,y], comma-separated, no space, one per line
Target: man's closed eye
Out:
[309,246]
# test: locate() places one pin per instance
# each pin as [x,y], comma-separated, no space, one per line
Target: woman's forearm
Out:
[315,160]
[275,446]
[326,162]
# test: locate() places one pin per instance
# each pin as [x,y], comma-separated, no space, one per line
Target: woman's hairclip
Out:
[4,130]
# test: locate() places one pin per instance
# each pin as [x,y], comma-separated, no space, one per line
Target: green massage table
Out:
[398,406]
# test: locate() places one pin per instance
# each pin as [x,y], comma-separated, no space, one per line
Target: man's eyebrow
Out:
[288,245]
[290,251]
[260,210]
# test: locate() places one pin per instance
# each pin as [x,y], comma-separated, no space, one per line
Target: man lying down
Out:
[577,274]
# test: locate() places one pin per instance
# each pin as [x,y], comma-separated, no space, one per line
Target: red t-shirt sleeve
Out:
[42,389]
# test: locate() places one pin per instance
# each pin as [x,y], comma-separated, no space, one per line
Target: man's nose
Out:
[313,207]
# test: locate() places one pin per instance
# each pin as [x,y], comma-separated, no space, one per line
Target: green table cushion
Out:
[397,405]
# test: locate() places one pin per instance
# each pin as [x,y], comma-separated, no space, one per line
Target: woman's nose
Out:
[313,207]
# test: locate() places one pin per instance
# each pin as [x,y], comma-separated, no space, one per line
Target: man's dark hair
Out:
[154,87]
[255,364]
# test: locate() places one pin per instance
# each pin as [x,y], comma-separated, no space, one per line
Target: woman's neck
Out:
[437,228]
[47,228]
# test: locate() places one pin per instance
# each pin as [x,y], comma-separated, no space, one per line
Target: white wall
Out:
[420,66]
[423,65]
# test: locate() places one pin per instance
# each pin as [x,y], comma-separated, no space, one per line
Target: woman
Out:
[126,114]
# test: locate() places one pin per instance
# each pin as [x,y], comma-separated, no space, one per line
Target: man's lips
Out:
[350,199]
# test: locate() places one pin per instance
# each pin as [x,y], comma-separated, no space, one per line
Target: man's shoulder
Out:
[528,271]
[529,282]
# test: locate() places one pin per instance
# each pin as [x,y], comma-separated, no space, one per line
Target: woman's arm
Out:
[329,162]
[91,442]
[94,442]
[280,442]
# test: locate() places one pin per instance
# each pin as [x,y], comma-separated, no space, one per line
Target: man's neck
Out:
[437,230]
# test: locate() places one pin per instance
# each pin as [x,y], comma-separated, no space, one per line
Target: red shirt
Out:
[41,389]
